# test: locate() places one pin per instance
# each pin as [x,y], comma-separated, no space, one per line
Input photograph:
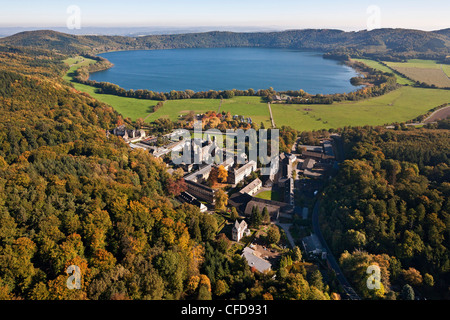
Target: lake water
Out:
[226,68]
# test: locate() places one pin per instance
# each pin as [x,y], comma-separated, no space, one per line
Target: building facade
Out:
[238,230]
[237,175]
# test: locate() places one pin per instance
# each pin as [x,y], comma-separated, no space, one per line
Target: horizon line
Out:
[220,28]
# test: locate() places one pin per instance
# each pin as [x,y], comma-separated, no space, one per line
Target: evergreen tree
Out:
[407,292]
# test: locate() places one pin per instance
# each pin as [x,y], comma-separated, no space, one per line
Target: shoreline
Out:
[348,64]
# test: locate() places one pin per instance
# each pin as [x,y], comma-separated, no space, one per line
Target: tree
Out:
[213,177]
[221,288]
[297,287]
[204,292]
[256,218]
[172,269]
[208,227]
[412,277]
[234,215]
[317,280]
[222,174]
[221,200]
[265,216]
[407,292]
[273,235]
[296,254]
[175,188]
[178,174]
[140,123]
[428,280]
[412,244]
[223,243]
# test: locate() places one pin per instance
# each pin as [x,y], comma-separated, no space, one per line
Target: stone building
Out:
[238,230]
[129,135]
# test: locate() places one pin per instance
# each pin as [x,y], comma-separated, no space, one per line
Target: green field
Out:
[378,66]
[415,63]
[446,68]
[400,105]
[127,107]
[252,107]
[75,63]
[269,195]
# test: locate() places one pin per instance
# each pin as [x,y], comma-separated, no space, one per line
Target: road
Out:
[442,68]
[340,157]
[271,116]
[439,114]
[285,227]
[330,258]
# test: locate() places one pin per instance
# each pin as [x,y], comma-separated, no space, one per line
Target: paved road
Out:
[330,258]
[285,227]
[445,112]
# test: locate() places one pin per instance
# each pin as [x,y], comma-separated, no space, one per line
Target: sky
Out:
[277,14]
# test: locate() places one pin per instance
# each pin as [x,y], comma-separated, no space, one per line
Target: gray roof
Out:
[249,164]
[239,226]
[252,185]
[198,174]
[253,261]
[312,243]
[309,163]
[328,148]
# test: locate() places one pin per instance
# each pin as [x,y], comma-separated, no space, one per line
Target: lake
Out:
[226,68]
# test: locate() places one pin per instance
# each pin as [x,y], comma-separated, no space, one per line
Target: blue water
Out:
[226,68]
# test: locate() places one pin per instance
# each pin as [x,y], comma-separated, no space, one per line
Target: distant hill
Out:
[394,42]
[444,32]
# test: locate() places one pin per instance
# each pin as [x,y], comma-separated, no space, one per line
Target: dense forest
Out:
[72,195]
[390,205]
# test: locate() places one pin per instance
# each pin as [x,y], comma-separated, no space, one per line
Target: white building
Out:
[238,230]
[237,175]
[253,187]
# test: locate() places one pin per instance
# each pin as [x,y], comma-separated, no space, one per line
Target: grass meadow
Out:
[252,107]
[127,107]
[378,66]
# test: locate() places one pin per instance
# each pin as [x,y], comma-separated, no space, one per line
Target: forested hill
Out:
[69,194]
[390,205]
[394,42]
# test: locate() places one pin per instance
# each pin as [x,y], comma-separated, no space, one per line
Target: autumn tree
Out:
[221,200]
[222,174]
